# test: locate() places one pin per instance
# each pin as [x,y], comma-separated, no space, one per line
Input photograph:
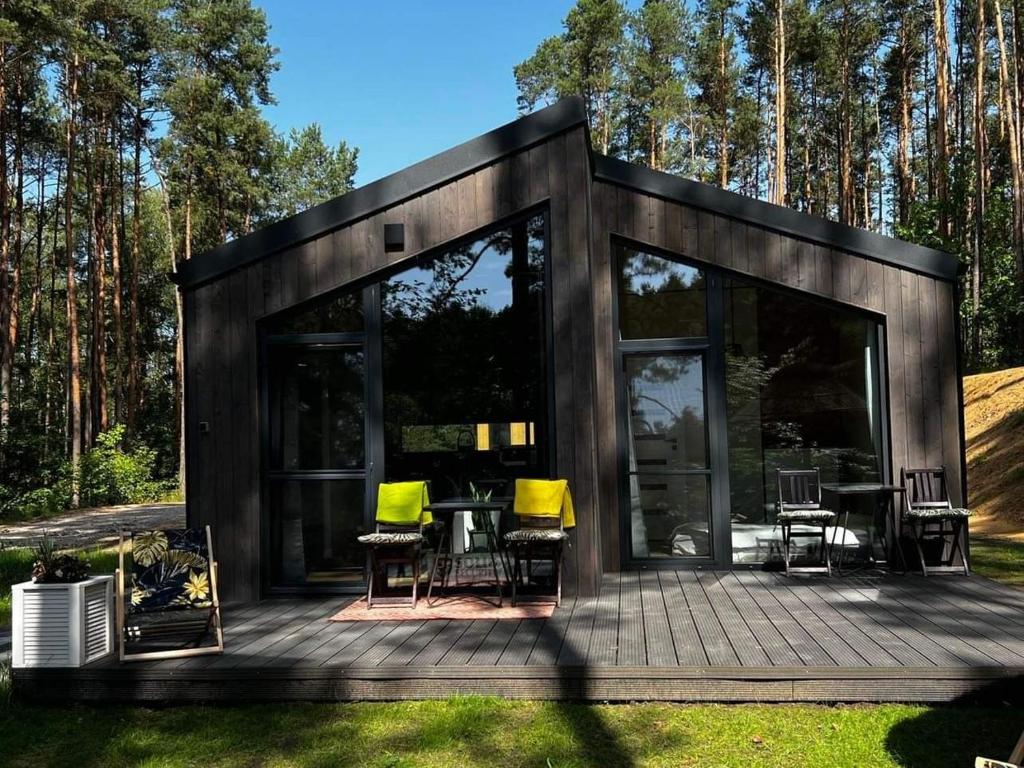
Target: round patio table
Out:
[448,559]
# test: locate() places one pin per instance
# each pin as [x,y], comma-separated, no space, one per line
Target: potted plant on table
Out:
[62,617]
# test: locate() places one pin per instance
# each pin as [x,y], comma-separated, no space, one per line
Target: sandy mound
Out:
[994,416]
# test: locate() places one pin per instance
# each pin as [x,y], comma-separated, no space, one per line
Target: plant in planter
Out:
[62,617]
[53,567]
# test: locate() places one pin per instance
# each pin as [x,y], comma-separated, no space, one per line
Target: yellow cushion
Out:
[403,503]
[544,498]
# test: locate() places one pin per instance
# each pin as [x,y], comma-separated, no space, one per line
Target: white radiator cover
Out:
[62,625]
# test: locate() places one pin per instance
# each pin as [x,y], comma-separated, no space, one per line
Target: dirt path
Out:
[91,527]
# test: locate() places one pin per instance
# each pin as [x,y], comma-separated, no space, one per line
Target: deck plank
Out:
[549,642]
[661,651]
[981,636]
[464,648]
[969,653]
[441,645]
[494,644]
[775,644]
[685,636]
[632,648]
[604,644]
[416,642]
[578,635]
[521,644]
[853,633]
[814,640]
[748,650]
[713,635]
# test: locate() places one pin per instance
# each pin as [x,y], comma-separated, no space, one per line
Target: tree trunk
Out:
[977,276]
[116,278]
[1008,111]
[903,169]
[941,116]
[133,277]
[779,196]
[74,355]
[847,198]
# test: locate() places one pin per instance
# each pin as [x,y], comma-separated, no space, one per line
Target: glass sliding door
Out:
[668,470]
[316,374]
[664,349]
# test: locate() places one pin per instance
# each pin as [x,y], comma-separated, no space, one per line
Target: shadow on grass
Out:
[956,734]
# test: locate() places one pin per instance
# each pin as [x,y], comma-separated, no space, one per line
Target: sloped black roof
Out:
[516,136]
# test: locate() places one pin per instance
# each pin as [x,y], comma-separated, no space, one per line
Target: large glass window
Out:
[463,339]
[660,298]
[317,457]
[802,391]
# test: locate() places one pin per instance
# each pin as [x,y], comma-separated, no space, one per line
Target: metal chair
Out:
[926,503]
[544,510]
[800,503]
[398,539]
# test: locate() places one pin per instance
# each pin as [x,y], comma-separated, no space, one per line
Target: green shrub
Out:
[110,474]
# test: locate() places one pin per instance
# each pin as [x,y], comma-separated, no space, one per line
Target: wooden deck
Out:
[664,635]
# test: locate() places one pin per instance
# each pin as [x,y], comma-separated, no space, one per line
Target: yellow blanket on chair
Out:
[545,498]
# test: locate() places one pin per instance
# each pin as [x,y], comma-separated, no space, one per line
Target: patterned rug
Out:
[454,607]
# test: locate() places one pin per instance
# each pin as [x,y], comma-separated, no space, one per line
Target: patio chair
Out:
[398,539]
[173,598]
[800,503]
[929,514]
[544,510]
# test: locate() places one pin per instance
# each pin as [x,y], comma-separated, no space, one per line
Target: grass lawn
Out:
[16,566]
[999,559]
[493,732]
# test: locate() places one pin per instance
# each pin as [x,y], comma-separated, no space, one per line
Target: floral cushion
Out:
[936,513]
[804,515]
[391,538]
[535,534]
[171,570]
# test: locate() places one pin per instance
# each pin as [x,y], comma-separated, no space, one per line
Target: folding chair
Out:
[398,539]
[173,598]
[927,510]
[544,510]
[800,503]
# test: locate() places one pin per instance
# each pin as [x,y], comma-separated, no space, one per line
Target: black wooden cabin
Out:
[521,305]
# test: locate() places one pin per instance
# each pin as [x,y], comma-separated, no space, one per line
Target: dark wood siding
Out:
[917,311]
[222,322]
[223,468]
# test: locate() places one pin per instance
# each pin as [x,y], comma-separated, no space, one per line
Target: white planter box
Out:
[62,625]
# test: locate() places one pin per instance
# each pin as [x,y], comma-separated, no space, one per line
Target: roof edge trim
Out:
[483,150]
[888,250]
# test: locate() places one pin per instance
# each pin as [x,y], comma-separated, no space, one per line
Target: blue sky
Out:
[402,80]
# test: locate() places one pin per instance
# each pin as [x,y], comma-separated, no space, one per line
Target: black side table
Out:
[884,495]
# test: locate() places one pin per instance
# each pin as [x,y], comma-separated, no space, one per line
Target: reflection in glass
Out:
[669,510]
[666,402]
[670,515]
[659,298]
[314,525]
[464,364]
[317,407]
[341,314]
[802,388]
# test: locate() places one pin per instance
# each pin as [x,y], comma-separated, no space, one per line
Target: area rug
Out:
[455,607]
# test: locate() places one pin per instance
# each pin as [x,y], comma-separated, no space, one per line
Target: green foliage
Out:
[53,567]
[113,474]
